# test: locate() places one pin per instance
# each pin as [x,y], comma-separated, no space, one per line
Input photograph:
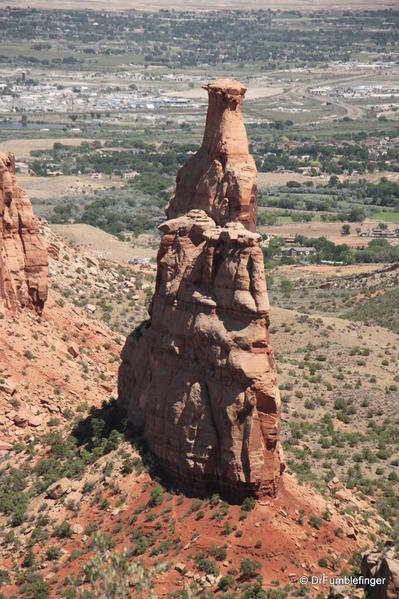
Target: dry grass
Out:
[330,270]
[101,243]
[277,179]
[332,231]
[50,187]
[23,147]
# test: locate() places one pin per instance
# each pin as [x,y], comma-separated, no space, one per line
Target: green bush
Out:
[219,553]
[206,565]
[64,530]
[248,504]
[249,568]
[226,582]
[53,553]
[156,496]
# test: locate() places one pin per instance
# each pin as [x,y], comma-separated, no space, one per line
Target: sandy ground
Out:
[341,271]
[23,147]
[276,179]
[253,93]
[205,4]
[49,187]
[331,231]
[100,243]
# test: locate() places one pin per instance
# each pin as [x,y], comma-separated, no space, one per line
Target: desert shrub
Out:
[64,530]
[226,582]
[219,553]
[53,553]
[249,568]
[315,521]
[248,504]
[112,574]
[36,587]
[127,465]
[13,501]
[206,565]
[156,496]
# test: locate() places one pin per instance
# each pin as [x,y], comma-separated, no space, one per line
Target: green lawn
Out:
[389,217]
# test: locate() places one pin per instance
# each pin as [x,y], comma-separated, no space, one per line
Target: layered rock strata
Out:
[199,377]
[23,254]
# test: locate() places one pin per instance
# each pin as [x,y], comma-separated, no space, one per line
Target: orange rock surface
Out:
[23,255]
[200,376]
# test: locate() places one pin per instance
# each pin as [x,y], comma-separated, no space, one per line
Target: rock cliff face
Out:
[23,255]
[200,376]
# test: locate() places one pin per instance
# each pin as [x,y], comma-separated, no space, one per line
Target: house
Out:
[130,174]
[297,251]
[289,239]
[379,232]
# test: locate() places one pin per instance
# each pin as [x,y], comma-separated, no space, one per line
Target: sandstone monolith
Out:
[199,377]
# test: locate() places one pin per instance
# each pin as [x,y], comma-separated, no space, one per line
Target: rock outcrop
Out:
[199,377]
[23,254]
[384,565]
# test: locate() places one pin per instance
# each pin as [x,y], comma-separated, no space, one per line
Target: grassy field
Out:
[389,217]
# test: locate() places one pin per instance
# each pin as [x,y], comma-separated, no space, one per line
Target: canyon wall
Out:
[23,254]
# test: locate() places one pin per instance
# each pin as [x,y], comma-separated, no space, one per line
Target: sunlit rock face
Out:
[221,178]
[23,254]
[199,377]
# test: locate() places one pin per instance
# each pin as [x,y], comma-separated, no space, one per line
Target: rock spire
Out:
[199,377]
[221,178]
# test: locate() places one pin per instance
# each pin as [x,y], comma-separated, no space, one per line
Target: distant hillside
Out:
[383,310]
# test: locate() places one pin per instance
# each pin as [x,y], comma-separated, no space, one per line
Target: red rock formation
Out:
[221,177]
[23,255]
[200,376]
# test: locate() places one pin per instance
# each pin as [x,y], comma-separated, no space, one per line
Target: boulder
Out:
[20,419]
[7,386]
[73,350]
[342,591]
[58,489]
[77,529]
[24,418]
